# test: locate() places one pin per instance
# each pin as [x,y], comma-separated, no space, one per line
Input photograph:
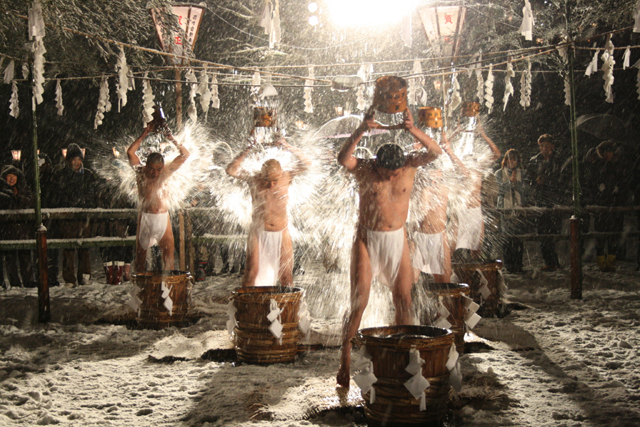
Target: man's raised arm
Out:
[457,163]
[134,160]
[181,158]
[234,168]
[494,149]
[346,157]
[303,161]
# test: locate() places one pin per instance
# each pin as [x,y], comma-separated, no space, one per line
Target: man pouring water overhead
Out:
[269,246]
[380,247]
[154,224]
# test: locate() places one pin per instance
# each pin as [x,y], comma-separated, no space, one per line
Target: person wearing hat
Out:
[21,198]
[269,247]
[380,249]
[543,182]
[75,188]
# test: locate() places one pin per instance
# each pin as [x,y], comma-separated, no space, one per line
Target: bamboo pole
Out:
[575,247]
[182,245]
[178,100]
[44,306]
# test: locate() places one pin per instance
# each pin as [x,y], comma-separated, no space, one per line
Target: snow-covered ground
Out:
[552,362]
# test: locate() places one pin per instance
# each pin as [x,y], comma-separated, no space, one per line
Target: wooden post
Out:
[44,308]
[44,305]
[178,101]
[183,261]
[190,249]
[576,262]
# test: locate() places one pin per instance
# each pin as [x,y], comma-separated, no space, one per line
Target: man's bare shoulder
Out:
[364,168]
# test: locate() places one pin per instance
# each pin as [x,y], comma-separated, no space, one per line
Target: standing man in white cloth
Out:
[269,246]
[470,231]
[154,224]
[380,246]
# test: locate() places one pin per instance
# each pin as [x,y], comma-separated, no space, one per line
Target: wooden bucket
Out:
[389,348]
[452,298]
[469,273]
[430,117]
[264,117]
[390,95]
[153,314]
[253,340]
[470,109]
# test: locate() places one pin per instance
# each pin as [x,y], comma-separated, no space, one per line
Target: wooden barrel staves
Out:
[165,298]
[389,348]
[254,341]
[452,298]
[486,285]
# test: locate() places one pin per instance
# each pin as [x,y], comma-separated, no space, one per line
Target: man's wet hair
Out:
[271,169]
[155,158]
[546,138]
[390,156]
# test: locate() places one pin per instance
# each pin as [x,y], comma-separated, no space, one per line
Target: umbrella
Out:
[602,126]
[343,127]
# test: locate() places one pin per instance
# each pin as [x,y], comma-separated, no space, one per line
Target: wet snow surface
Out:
[551,362]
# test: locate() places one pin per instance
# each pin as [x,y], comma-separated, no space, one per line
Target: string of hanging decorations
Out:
[270,22]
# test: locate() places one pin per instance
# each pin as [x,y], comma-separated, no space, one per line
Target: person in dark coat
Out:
[511,195]
[5,203]
[544,184]
[75,189]
[609,189]
[21,198]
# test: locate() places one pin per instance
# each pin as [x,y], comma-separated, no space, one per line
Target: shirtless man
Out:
[154,224]
[269,247]
[380,245]
[432,251]
[470,229]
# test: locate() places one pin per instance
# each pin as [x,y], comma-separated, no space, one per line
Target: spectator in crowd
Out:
[543,182]
[5,203]
[609,190]
[510,179]
[75,189]
[21,197]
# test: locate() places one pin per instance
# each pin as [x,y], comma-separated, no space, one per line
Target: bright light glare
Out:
[313,20]
[369,12]
[313,7]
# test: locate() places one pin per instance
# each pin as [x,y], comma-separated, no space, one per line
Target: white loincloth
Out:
[385,253]
[269,243]
[429,253]
[469,229]
[152,228]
